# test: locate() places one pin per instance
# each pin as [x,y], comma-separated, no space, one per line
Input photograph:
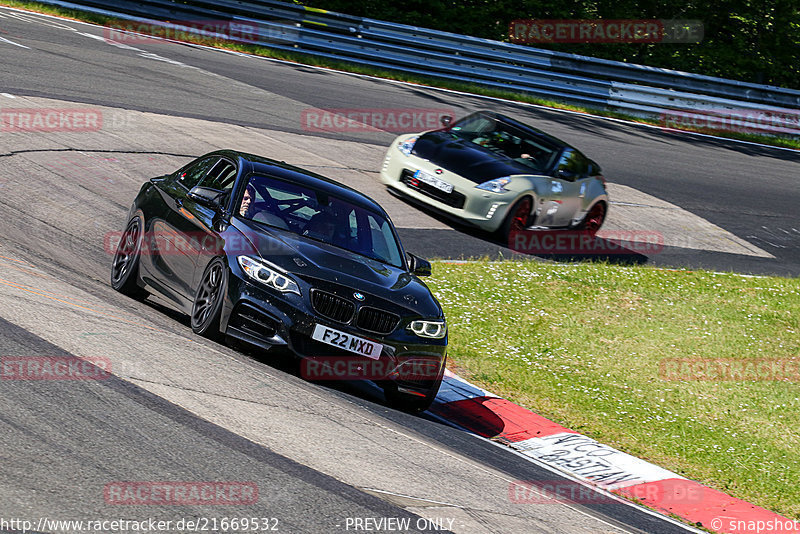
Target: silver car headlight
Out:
[498,185]
[267,274]
[431,329]
[407,146]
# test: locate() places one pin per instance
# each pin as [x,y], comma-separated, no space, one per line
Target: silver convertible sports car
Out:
[498,174]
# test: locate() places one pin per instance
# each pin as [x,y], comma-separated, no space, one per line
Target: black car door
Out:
[195,221]
[171,235]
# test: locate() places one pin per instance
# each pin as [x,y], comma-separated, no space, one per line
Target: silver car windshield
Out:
[320,216]
[507,140]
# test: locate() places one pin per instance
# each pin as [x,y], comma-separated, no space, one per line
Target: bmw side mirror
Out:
[418,266]
[446,120]
[206,196]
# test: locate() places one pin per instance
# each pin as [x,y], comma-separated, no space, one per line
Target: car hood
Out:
[310,259]
[465,158]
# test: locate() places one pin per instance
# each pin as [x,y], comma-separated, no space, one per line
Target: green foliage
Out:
[750,40]
[589,346]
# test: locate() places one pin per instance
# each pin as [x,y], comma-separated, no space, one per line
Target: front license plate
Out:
[433,181]
[356,344]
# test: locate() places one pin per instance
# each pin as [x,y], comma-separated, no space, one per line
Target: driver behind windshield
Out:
[247,202]
[266,211]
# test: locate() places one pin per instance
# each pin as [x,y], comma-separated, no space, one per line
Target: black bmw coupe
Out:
[276,256]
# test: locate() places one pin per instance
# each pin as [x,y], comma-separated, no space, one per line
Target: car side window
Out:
[221,176]
[475,125]
[191,175]
[573,164]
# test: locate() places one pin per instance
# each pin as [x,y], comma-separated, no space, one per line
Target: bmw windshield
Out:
[317,215]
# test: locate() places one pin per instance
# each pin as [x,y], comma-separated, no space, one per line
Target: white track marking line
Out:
[141,53]
[29,16]
[9,41]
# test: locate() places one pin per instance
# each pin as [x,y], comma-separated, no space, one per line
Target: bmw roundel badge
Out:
[358,296]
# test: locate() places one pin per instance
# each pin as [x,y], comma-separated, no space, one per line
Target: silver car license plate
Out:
[349,342]
[433,181]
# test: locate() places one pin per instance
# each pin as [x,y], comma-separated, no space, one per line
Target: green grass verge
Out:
[306,59]
[581,345]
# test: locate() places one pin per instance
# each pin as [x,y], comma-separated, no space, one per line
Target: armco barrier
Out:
[634,89]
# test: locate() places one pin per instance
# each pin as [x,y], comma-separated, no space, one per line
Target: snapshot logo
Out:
[733,120]
[362,368]
[729,369]
[54,368]
[755,526]
[181,493]
[583,243]
[50,120]
[399,120]
[605,31]
[572,492]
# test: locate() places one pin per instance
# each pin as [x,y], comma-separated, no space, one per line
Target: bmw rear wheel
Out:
[125,266]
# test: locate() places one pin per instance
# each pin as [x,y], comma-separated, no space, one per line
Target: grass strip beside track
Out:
[582,345]
[307,59]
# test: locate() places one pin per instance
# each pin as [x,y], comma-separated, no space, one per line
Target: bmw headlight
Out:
[407,146]
[432,329]
[267,274]
[495,186]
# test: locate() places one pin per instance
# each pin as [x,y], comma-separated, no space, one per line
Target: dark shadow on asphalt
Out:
[461,242]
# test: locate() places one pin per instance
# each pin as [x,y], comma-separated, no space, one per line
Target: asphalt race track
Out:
[181,408]
[746,190]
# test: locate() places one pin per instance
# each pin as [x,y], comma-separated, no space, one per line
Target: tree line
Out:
[749,40]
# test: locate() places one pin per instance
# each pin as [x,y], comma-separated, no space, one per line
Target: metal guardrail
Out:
[677,97]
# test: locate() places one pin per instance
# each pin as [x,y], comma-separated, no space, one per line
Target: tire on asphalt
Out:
[125,265]
[208,300]
[518,218]
[594,219]
[412,403]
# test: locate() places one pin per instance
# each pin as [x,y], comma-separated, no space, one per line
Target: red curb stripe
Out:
[505,422]
[493,417]
[708,507]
